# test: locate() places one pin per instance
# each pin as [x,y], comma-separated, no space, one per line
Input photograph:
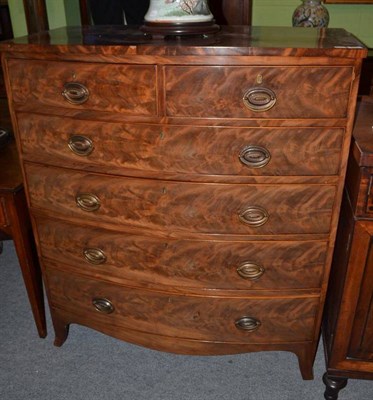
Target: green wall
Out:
[72,12]
[357,19]
[17,16]
[60,13]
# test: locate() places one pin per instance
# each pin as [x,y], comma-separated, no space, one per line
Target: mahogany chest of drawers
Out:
[348,319]
[185,192]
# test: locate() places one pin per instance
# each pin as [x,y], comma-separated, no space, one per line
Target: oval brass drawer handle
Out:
[259,99]
[75,92]
[248,324]
[95,256]
[103,305]
[80,145]
[255,156]
[250,270]
[88,202]
[254,216]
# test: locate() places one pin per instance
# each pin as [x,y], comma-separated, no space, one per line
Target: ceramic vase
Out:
[178,11]
[311,13]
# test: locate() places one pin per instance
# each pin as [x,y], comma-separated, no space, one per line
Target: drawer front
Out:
[192,207]
[192,317]
[180,149]
[129,89]
[184,263]
[290,91]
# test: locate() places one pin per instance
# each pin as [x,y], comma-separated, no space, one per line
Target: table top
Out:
[229,40]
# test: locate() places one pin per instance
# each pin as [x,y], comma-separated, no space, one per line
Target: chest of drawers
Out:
[185,193]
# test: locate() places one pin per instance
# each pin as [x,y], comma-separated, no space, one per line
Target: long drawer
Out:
[230,319]
[202,264]
[204,208]
[180,149]
[257,92]
[128,89]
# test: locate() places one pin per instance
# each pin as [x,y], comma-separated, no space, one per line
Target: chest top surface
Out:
[230,40]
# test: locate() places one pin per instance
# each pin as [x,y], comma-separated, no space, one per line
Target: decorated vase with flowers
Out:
[311,13]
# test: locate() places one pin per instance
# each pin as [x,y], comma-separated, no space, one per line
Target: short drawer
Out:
[190,207]
[180,149]
[128,89]
[201,264]
[257,92]
[241,319]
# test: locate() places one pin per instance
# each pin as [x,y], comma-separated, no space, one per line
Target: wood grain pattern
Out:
[15,225]
[128,89]
[205,208]
[348,316]
[361,345]
[227,12]
[359,180]
[193,317]
[349,305]
[360,189]
[119,41]
[314,92]
[3,217]
[201,264]
[179,149]
[168,123]
[62,319]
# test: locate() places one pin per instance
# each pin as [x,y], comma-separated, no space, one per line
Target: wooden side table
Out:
[15,224]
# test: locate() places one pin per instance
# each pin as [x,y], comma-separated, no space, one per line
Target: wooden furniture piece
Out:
[36,15]
[14,216]
[366,81]
[6,31]
[348,322]
[15,224]
[231,12]
[185,193]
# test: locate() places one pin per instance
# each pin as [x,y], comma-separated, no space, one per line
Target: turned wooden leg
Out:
[333,386]
[61,330]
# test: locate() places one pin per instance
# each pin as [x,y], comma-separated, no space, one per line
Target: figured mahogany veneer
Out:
[181,206]
[185,193]
[311,92]
[129,89]
[156,261]
[208,318]
[180,149]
